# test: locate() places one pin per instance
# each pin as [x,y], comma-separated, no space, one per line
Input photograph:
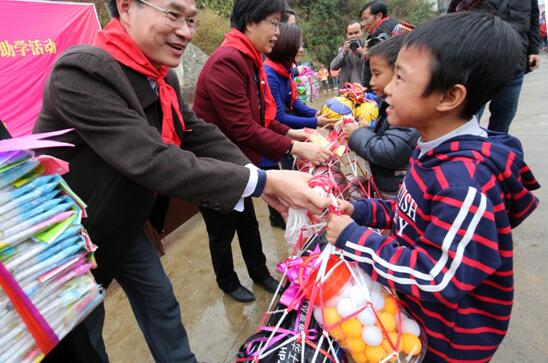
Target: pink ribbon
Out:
[293,296]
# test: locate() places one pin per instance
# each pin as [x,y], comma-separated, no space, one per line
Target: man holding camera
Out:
[349,60]
[378,26]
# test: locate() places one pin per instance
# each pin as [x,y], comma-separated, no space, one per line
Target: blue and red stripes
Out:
[449,253]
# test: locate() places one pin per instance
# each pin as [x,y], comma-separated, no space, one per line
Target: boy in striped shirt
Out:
[449,253]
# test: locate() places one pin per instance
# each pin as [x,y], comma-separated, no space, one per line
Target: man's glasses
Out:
[366,20]
[175,19]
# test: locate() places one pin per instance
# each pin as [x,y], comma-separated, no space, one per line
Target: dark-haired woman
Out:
[278,64]
[233,93]
[289,110]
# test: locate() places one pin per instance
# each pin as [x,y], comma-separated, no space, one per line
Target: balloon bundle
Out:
[325,303]
[353,101]
[45,254]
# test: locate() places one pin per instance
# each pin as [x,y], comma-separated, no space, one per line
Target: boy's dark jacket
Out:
[449,253]
[387,149]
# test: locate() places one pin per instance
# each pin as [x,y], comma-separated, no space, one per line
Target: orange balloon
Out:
[375,354]
[359,357]
[393,339]
[388,322]
[390,305]
[352,328]
[355,345]
[331,316]
[337,333]
[411,345]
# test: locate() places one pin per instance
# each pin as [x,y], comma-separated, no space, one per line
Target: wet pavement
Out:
[217,325]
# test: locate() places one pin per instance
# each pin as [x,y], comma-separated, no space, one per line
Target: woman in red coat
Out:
[232,92]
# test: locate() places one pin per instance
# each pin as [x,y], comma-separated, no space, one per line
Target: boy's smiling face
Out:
[409,107]
[381,74]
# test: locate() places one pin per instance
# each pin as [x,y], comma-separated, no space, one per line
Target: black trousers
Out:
[221,229]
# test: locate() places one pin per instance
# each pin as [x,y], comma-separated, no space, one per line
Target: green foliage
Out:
[412,11]
[211,29]
[322,41]
[222,7]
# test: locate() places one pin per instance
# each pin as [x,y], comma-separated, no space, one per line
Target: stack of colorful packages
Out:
[45,255]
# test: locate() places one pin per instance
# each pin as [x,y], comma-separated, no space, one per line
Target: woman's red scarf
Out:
[236,39]
[284,72]
[116,41]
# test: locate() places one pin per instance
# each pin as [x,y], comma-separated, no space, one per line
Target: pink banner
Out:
[32,35]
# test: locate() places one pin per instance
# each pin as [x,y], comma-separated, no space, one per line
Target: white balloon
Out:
[332,303]
[411,327]
[377,300]
[372,336]
[357,294]
[367,317]
[346,290]
[318,315]
[346,307]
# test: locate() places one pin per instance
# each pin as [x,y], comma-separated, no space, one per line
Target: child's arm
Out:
[374,213]
[391,150]
[456,252]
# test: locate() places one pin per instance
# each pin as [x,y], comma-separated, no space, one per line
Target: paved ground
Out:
[217,326]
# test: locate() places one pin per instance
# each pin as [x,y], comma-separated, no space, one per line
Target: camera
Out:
[376,40]
[355,44]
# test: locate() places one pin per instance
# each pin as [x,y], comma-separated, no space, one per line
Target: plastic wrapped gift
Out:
[367,113]
[337,107]
[45,255]
[361,315]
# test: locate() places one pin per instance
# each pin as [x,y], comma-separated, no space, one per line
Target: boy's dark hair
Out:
[376,7]
[254,11]
[478,50]
[388,49]
[287,46]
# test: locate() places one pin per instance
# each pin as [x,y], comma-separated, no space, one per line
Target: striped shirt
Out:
[449,253]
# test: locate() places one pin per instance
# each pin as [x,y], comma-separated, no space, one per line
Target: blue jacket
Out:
[301,116]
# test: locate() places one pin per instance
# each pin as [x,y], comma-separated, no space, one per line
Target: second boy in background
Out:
[449,251]
[386,148]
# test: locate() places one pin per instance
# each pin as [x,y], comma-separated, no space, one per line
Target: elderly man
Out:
[378,26]
[136,140]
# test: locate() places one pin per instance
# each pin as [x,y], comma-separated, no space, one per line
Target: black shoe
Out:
[270,284]
[242,294]
[276,219]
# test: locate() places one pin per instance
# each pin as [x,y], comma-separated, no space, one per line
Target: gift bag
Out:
[364,317]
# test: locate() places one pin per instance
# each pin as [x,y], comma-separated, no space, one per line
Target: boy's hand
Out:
[349,128]
[345,207]
[335,225]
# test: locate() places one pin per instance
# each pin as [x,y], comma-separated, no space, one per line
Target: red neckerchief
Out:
[116,41]
[381,22]
[236,39]
[284,72]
